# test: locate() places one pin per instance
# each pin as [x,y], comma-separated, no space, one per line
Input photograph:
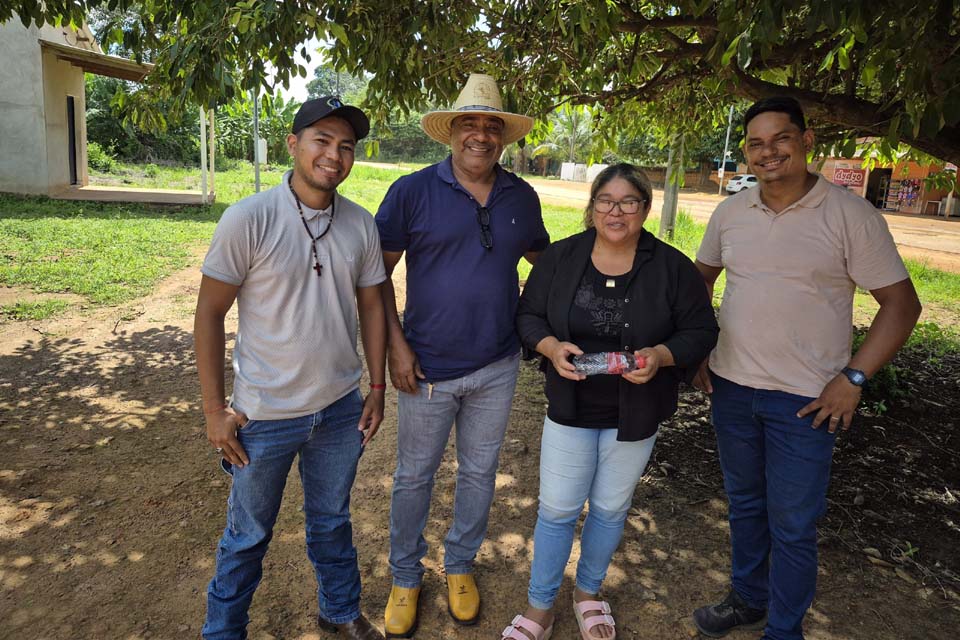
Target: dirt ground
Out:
[111,504]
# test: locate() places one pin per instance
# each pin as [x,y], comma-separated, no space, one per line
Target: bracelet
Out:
[217,410]
[379,386]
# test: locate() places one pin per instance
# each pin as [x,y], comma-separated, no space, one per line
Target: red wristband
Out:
[378,386]
[216,410]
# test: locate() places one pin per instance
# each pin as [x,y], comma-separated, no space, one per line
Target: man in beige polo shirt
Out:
[781,378]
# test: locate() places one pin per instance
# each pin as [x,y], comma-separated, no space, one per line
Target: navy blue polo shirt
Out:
[461,297]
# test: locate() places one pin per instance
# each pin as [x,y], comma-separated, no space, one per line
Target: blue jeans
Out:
[479,405]
[577,465]
[776,469]
[328,443]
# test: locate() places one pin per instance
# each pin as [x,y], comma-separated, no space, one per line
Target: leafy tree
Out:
[884,68]
[569,135]
[235,127]
[404,139]
[112,125]
[329,82]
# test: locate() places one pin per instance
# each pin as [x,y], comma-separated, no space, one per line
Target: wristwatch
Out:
[855,376]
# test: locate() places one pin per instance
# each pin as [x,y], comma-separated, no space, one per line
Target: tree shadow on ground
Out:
[111,505]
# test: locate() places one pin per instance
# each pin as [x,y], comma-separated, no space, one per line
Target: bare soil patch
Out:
[111,503]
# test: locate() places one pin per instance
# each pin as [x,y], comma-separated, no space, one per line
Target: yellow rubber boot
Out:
[464,598]
[400,618]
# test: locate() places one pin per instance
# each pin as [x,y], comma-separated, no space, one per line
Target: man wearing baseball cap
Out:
[302,262]
[464,224]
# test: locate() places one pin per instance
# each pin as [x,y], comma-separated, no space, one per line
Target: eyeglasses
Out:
[627,207]
[486,236]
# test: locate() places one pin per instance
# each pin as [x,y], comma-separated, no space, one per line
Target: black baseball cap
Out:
[327,106]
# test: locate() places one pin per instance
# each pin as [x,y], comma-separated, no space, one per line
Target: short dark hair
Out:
[634,175]
[779,104]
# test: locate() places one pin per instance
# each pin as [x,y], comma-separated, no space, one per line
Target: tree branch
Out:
[866,117]
[639,25]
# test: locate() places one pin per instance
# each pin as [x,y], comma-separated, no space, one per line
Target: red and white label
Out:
[849,177]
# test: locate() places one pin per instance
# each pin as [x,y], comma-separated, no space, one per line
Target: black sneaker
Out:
[717,620]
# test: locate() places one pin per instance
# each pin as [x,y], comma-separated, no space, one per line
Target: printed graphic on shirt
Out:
[605,311]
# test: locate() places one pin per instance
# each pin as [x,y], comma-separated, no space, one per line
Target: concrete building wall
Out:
[23,144]
[60,80]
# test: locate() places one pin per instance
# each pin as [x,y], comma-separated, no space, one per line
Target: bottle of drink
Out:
[607,362]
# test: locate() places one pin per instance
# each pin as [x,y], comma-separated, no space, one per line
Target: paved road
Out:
[925,238]
[935,240]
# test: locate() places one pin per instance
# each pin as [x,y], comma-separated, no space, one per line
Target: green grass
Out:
[33,309]
[105,252]
[113,252]
[110,253]
[934,285]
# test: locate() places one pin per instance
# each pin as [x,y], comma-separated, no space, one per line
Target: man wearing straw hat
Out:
[464,224]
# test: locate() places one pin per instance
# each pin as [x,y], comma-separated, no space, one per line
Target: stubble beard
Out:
[328,186]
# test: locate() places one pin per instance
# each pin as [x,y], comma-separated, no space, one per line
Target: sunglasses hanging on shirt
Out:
[486,236]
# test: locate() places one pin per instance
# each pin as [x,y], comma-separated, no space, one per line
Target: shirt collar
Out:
[445,171]
[811,199]
[308,213]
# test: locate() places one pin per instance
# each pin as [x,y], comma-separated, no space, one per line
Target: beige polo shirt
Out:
[296,346]
[787,311]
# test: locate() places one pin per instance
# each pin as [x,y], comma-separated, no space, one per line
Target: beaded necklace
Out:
[313,239]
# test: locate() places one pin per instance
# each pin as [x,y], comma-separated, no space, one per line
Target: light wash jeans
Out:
[328,444]
[577,465]
[479,405]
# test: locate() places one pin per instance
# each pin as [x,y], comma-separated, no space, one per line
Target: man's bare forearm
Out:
[394,328]
[373,331]
[209,337]
[891,327]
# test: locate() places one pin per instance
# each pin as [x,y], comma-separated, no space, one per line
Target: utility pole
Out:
[256,141]
[723,160]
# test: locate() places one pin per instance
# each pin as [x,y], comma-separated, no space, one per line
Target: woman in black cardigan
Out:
[613,287]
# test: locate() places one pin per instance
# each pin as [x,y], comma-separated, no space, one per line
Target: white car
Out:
[740,182]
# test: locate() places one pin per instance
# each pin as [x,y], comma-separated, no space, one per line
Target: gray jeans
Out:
[479,404]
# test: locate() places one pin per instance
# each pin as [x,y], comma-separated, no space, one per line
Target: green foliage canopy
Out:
[113,124]
[883,68]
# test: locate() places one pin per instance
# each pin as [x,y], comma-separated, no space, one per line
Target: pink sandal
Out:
[588,624]
[519,622]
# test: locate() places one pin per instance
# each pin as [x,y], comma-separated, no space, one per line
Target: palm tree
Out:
[570,135]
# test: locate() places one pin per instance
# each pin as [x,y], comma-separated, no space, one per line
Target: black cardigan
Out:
[666,302]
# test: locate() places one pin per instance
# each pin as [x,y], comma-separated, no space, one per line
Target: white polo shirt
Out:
[296,346]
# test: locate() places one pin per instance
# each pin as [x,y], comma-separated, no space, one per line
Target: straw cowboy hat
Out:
[480,95]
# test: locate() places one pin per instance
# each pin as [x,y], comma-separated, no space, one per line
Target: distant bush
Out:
[223,163]
[100,159]
[151,171]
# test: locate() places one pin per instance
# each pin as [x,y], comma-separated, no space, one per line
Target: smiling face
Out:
[323,153]
[476,142]
[776,149]
[616,227]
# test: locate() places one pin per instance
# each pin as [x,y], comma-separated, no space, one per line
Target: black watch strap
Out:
[855,376]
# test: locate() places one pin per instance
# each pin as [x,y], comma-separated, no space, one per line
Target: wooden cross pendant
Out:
[318,268]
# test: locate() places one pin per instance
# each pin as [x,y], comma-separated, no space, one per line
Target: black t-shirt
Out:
[596,324]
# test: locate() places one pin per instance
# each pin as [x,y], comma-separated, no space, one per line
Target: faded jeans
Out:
[328,444]
[479,405]
[577,465]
